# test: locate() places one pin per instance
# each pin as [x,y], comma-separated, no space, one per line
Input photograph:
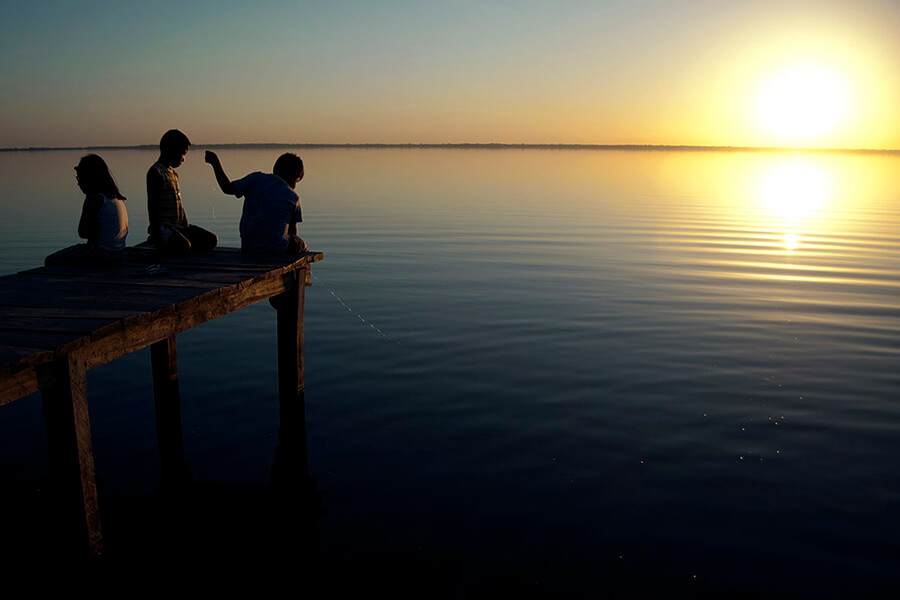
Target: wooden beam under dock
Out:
[56,323]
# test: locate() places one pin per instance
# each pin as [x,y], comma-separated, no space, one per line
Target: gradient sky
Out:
[605,72]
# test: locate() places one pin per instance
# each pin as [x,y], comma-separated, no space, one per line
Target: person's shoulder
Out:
[283,189]
[246,183]
[94,200]
[156,169]
[255,175]
[283,185]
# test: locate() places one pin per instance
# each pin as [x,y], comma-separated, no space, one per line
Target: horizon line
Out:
[471,145]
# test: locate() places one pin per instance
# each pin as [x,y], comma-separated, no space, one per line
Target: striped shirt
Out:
[164,199]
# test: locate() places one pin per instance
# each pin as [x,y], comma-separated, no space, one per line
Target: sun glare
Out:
[792,192]
[794,189]
[803,103]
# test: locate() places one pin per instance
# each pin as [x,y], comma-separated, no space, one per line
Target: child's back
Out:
[112,225]
[104,218]
[271,208]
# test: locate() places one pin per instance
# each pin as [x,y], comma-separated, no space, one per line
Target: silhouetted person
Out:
[271,206]
[104,220]
[169,229]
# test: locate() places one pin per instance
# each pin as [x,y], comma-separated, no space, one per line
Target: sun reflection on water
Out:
[791,241]
[793,192]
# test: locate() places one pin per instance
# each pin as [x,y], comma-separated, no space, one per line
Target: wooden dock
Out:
[56,323]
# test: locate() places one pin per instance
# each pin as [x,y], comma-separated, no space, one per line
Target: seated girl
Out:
[104,220]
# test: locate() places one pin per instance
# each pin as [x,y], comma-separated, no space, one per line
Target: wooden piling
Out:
[290,343]
[290,470]
[167,405]
[69,447]
[59,322]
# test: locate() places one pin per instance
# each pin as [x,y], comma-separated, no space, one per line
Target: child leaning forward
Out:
[169,229]
[271,208]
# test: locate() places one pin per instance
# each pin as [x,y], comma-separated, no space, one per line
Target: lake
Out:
[537,365]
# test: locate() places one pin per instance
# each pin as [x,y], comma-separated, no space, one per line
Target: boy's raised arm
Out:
[221,178]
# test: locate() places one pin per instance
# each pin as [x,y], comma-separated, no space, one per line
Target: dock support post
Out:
[167,403]
[71,457]
[291,468]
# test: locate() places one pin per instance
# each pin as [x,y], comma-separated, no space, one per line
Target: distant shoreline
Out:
[479,146]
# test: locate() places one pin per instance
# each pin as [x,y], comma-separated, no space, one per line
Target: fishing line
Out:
[359,316]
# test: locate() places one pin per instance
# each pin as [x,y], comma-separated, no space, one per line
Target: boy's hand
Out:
[221,178]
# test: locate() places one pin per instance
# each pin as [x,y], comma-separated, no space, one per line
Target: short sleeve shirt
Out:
[270,206]
[164,199]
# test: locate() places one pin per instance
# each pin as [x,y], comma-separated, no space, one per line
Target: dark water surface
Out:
[540,365]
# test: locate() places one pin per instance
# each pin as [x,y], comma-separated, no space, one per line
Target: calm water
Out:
[672,364]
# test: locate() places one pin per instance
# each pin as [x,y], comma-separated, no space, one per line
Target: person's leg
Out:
[170,242]
[73,255]
[296,246]
[174,244]
[108,258]
[200,238]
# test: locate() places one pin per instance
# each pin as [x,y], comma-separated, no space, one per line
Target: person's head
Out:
[173,147]
[93,177]
[290,168]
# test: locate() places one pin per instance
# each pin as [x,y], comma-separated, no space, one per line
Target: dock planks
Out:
[56,323]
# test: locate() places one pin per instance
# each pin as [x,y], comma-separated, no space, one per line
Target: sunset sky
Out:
[704,72]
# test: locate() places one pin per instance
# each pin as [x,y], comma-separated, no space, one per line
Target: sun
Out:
[803,103]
